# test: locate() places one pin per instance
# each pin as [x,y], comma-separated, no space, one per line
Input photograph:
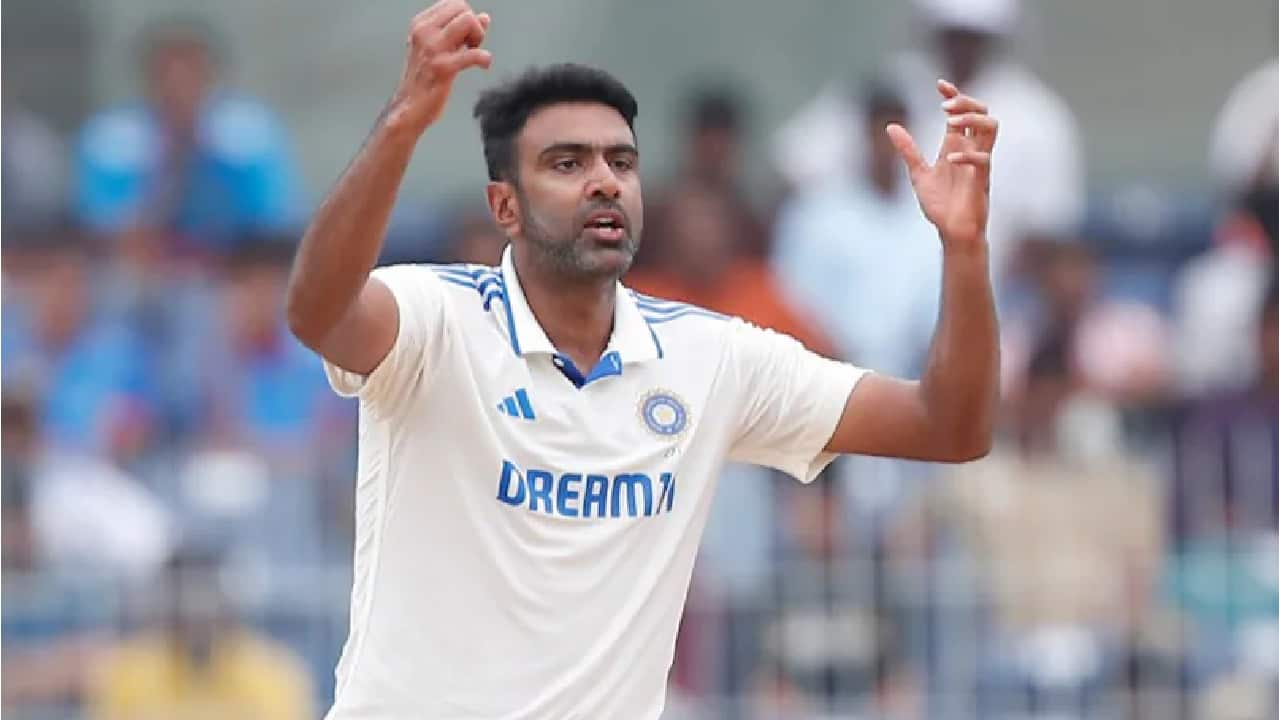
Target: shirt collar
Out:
[632,337]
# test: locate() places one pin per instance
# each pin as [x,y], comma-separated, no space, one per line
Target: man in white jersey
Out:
[538,444]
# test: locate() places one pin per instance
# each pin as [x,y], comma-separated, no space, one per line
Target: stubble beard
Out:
[571,257]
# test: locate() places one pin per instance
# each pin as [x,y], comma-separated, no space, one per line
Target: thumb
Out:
[906,147]
[473,57]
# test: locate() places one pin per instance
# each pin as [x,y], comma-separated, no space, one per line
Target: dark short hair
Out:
[503,110]
[714,107]
[878,97]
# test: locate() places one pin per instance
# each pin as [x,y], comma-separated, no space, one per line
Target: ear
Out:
[504,207]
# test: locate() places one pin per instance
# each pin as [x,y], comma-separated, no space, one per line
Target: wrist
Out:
[400,123]
[967,249]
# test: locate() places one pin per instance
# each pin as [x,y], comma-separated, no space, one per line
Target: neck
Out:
[576,315]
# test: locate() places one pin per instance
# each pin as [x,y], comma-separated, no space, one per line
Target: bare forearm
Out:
[344,239]
[960,386]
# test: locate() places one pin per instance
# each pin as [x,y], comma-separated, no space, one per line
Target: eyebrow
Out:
[580,148]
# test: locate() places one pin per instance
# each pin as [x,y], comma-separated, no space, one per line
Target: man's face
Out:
[882,153]
[180,75]
[963,51]
[715,154]
[576,202]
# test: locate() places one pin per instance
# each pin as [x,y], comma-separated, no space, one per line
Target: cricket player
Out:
[539,445]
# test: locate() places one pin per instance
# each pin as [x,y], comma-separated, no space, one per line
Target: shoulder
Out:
[119,137]
[707,334]
[459,285]
[241,129]
[660,311]
[683,328]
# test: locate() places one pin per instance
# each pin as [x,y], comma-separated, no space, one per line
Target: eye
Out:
[566,164]
[624,164]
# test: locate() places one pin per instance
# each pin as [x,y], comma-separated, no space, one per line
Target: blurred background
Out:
[178,479]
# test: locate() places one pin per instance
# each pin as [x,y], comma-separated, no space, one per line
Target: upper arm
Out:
[885,416]
[392,335]
[364,336]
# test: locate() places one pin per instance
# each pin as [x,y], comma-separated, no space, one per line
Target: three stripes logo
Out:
[517,405]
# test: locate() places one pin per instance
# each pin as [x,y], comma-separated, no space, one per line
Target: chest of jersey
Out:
[617,446]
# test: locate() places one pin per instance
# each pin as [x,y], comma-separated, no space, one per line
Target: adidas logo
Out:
[517,405]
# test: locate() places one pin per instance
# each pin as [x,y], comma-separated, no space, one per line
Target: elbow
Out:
[975,449]
[301,321]
[969,444]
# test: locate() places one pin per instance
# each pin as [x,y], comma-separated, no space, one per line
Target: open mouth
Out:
[606,226]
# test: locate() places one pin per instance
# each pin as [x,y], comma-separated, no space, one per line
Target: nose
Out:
[603,181]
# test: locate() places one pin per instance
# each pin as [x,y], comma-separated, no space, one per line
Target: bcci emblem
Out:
[664,413]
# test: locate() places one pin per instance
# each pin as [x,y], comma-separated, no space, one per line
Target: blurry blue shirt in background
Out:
[239,175]
[868,269]
[274,397]
[272,403]
[101,378]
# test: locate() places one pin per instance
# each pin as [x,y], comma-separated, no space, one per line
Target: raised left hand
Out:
[954,192]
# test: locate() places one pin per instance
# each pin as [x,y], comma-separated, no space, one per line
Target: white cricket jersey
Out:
[526,531]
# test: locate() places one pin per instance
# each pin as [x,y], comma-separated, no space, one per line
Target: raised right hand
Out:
[443,40]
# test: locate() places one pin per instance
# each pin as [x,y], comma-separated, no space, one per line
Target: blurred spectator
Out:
[1242,150]
[714,132]
[74,534]
[863,262]
[702,264]
[831,651]
[261,388]
[35,168]
[1041,193]
[202,662]
[1215,294]
[861,259]
[1223,515]
[271,437]
[19,451]
[1226,450]
[89,368]
[53,503]
[1064,527]
[191,167]
[713,135]
[1117,348]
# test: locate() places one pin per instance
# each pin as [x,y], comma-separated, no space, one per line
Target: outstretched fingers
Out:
[981,128]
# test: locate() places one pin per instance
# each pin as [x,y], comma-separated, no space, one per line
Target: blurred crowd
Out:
[178,480]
